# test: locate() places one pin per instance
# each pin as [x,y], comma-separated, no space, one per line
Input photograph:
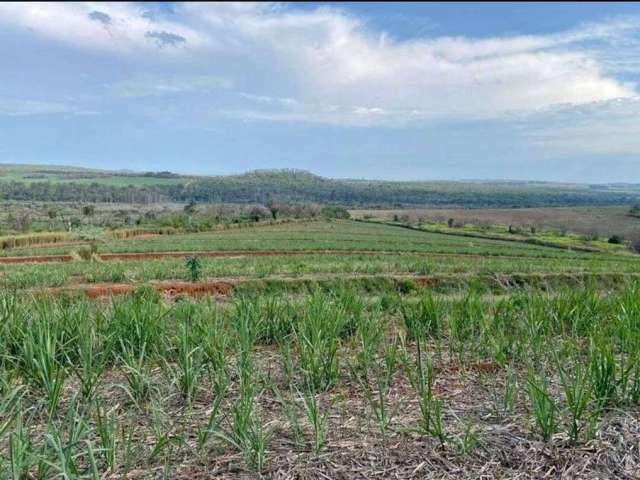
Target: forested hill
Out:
[74,184]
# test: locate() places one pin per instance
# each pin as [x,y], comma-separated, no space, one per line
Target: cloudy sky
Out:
[402,91]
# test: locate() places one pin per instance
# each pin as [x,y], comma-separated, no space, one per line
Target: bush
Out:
[195,268]
[88,210]
[190,208]
[257,212]
[615,239]
[88,252]
[335,212]
[592,236]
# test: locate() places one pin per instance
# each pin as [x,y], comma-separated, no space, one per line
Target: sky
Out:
[407,91]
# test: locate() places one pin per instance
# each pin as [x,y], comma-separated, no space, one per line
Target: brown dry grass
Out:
[604,221]
[506,446]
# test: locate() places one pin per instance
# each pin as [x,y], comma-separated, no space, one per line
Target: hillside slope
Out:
[52,183]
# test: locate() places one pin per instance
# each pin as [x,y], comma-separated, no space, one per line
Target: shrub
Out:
[257,212]
[195,268]
[335,212]
[592,236]
[615,239]
[88,252]
[634,244]
[88,210]
[190,208]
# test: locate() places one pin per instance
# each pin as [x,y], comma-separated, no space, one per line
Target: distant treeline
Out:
[297,186]
[81,192]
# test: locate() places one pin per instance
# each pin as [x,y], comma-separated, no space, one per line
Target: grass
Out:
[325,362]
[323,248]
[103,364]
[335,235]
[580,221]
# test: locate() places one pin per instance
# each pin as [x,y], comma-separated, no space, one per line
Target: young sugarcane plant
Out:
[137,374]
[544,406]
[316,418]
[42,351]
[430,422]
[190,365]
[21,455]
[90,364]
[213,419]
[376,396]
[577,390]
[106,428]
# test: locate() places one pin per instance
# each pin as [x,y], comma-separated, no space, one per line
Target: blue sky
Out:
[402,91]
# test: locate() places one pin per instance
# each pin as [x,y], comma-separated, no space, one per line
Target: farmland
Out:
[319,241]
[594,221]
[303,348]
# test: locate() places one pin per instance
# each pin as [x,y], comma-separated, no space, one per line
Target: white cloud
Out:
[154,85]
[609,127]
[325,57]
[23,108]
[104,26]
[324,65]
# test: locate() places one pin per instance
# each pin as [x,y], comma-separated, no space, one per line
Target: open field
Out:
[319,241]
[58,174]
[336,349]
[596,221]
[320,235]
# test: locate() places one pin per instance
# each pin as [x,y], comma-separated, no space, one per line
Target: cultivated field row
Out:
[323,384]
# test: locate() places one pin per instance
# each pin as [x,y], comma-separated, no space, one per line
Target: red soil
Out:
[196,289]
[37,259]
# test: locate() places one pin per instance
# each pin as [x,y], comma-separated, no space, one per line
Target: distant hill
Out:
[58,183]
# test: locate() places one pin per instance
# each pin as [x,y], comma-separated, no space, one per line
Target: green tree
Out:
[88,210]
[190,208]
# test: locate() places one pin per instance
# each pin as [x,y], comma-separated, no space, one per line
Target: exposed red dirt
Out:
[194,289]
[427,282]
[36,259]
[174,288]
[96,291]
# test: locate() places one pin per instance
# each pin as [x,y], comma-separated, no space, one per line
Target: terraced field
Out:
[309,250]
[325,349]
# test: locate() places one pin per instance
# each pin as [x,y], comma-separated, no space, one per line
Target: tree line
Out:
[295,186]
